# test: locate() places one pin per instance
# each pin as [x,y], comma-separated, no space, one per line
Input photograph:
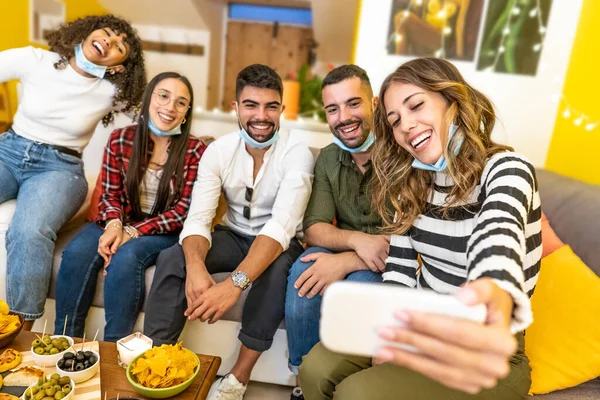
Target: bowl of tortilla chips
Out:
[10,324]
[163,371]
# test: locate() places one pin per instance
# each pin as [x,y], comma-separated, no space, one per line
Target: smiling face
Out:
[416,116]
[349,111]
[259,111]
[106,47]
[170,103]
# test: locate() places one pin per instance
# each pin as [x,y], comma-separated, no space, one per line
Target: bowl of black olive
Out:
[80,366]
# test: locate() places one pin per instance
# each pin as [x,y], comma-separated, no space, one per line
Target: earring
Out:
[183,122]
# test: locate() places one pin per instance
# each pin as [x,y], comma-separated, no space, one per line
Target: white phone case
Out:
[352,313]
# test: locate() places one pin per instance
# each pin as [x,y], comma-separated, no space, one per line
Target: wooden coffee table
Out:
[113,376]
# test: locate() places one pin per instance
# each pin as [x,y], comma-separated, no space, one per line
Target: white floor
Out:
[265,391]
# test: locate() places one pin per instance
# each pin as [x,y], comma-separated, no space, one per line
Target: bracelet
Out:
[116,222]
[132,232]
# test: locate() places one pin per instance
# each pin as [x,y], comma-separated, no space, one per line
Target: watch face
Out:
[239,279]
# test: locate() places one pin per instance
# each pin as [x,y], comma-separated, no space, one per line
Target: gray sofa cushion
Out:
[586,391]
[573,208]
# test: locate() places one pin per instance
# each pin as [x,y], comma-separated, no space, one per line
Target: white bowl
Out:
[67,397]
[51,359]
[83,375]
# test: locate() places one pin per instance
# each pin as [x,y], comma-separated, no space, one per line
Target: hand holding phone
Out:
[352,314]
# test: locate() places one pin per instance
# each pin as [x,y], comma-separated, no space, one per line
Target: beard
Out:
[268,135]
[356,141]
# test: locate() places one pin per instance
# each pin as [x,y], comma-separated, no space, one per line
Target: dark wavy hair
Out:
[129,83]
[175,164]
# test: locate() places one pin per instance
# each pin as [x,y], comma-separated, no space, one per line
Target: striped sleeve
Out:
[402,262]
[497,248]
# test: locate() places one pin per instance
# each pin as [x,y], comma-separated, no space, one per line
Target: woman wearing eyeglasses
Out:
[148,172]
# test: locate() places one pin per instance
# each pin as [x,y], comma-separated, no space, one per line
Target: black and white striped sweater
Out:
[495,234]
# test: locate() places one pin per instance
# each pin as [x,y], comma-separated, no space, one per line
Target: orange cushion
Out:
[93,210]
[550,241]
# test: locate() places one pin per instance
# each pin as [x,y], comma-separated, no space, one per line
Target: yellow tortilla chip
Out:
[4,309]
[164,366]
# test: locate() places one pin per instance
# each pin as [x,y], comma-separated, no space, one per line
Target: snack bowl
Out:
[160,393]
[7,338]
[69,396]
[83,375]
[50,360]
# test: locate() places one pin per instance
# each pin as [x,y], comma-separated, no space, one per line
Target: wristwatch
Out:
[240,279]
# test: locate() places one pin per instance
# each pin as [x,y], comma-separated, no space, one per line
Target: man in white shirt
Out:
[266,175]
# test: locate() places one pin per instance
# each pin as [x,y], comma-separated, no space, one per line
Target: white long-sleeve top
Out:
[280,192]
[496,233]
[58,106]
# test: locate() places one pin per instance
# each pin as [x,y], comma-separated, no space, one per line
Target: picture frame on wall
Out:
[435,28]
[514,36]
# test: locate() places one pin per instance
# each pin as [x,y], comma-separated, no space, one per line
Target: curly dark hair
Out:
[130,83]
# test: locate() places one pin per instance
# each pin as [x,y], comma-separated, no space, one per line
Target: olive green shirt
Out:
[341,193]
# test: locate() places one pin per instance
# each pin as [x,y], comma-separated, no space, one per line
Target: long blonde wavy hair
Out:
[400,192]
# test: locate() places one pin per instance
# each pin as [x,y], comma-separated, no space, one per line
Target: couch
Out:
[570,205]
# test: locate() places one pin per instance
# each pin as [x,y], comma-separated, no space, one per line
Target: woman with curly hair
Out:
[93,69]
[470,209]
[148,173]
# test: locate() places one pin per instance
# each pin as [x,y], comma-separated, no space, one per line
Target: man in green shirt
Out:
[338,223]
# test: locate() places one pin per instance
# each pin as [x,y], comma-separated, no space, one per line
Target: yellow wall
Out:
[16,22]
[574,151]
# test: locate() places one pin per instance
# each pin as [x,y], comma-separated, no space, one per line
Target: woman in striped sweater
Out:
[470,209]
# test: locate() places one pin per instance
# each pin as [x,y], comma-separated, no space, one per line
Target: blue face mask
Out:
[257,145]
[86,65]
[360,149]
[442,163]
[158,132]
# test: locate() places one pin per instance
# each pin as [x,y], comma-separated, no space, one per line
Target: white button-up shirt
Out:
[280,192]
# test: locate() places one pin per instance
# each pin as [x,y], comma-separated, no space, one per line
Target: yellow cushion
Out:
[563,343]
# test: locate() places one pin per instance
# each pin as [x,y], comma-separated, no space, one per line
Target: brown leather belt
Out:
[63,149]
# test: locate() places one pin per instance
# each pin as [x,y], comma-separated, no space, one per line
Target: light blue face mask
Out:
[360,149]
[257,145]
[158,132]
[442,163]
[82,62]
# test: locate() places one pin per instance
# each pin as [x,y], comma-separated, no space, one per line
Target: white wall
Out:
[195,68]
[180,13]
[525,104]
[334,24]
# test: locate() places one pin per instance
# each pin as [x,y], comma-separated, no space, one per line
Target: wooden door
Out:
[284,48]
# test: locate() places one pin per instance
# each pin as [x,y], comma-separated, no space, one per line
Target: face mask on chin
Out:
[252,142]
[441,164]
[360,149]
[86,65]
[152,126]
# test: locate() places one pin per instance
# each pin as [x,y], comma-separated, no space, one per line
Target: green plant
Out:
[310,94]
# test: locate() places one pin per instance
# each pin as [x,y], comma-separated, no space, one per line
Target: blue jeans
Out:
[49,187]
[124,283]
[302,314]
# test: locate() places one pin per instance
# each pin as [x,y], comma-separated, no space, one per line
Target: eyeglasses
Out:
[246,211]
[164,99]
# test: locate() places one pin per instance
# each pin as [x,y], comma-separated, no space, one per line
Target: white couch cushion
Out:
[7,209]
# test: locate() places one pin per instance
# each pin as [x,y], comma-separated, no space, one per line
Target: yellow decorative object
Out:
[562,343]
[291,99]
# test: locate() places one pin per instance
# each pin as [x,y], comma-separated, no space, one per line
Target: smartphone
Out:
[352,313]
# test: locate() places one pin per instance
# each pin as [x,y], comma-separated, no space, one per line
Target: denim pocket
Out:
[6,135]
[68,158]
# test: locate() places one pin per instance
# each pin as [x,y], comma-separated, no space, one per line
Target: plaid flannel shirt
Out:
[114,202]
